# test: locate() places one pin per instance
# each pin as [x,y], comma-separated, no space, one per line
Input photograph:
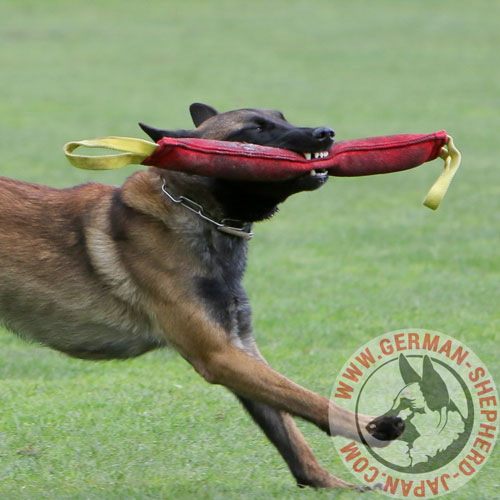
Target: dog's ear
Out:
[433,387]
[201,112]
[156,134]
[408,374]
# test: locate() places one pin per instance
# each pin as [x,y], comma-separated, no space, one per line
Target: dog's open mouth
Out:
[319,173]
[318,155]
[315,156]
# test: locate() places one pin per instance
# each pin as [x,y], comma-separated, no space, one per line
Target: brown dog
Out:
[100,272]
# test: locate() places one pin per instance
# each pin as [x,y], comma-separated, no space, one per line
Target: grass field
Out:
[336,267]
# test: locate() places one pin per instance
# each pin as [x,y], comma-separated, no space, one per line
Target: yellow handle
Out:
[452,157]
[135,151]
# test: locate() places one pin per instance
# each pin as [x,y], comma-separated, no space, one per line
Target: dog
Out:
[433,421]
[101,272]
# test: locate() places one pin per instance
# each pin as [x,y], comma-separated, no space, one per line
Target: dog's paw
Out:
[363,489]
[384,429]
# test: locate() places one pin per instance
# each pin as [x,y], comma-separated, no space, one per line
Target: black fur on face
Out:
[251,200]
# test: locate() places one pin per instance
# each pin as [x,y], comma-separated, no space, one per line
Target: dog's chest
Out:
[218,286]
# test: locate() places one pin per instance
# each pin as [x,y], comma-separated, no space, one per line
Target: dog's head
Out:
[250,200]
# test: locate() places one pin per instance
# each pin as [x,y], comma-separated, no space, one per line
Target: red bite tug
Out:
[250,162]
[230,160]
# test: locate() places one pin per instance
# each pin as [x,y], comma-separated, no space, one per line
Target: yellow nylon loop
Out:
[452,157]
[135,151]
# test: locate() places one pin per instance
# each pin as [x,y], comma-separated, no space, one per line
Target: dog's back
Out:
[48,280]
[42,225]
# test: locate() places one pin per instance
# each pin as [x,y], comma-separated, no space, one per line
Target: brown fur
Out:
[100,272]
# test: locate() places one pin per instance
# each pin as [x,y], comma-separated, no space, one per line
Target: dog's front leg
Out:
[207,347]
[251,378]
[283,433]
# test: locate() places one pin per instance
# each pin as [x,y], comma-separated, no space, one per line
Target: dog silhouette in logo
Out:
[433,421]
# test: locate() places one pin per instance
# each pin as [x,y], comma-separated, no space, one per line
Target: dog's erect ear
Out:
[156,134]
[433,387]
[201,112]
[408,374]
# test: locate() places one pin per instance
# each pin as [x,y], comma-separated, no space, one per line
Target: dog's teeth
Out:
[307,156]
[313,173]
[316,155]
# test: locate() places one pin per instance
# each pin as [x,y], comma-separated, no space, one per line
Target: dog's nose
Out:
[323,133]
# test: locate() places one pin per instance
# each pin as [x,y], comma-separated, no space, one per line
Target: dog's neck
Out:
[233,227]
[221,255]
[238,203]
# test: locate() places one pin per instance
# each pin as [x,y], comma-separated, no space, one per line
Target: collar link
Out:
[238,228]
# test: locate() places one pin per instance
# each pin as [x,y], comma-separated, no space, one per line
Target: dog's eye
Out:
[261,125]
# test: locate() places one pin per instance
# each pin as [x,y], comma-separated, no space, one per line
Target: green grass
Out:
[358,258]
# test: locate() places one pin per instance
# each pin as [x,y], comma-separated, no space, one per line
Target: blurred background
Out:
[333,269]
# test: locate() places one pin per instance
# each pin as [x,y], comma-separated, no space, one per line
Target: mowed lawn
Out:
[333,269]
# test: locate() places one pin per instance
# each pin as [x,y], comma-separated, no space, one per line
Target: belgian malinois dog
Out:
[101,272]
